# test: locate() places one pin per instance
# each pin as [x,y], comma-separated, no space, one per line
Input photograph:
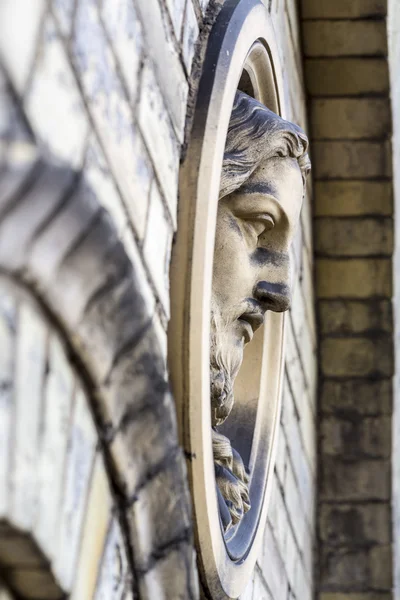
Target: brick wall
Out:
[104,86]
[345,45]
[394,58]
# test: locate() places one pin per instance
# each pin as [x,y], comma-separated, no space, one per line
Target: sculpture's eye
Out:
[259,224]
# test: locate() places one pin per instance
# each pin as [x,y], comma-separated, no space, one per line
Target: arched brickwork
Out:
[90,452]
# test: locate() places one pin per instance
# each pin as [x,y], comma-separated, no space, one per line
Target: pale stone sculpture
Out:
[261,191]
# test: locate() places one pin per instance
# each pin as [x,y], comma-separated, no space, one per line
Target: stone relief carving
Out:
[264,169]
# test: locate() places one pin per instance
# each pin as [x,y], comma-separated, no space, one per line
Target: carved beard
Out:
[224,366]
[230,473]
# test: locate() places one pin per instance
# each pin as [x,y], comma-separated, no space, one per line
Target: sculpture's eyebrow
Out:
[261,187]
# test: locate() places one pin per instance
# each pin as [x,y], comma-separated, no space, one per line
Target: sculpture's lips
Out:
[250,322]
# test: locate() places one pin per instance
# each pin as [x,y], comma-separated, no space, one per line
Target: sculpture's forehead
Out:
[281,179]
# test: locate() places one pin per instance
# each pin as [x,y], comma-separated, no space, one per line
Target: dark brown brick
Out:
[354,316]
[357,357]
[354,436]
[353,525]
[361,480]
[356,397]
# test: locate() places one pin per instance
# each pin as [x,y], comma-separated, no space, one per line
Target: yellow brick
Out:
[351,160]
[366,236]
[346,76]
[350,118]
[354,278]
[335,9]
[352,198]
[345,38]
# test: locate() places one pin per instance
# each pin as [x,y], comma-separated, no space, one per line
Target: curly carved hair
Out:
[255,134]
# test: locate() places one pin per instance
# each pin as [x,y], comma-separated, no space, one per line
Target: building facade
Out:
[97,103]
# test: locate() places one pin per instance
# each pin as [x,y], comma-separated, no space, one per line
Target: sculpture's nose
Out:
[273,296]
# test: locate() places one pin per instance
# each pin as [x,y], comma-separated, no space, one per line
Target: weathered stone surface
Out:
[58,390]
[146,439]
[109,107]
[159,135]
[126,36]
[342,9]
[357,357]
[354,437]
[354,237]
[351,159]
[356,397]
[346,76]
[164,55]
[53,102]
[260,589]
[113,572]
[30,367]
[354,316]
[168,578]
[304,585]
[8,315]
[100,181]
[157,517]
[141,369]
[278,518]
[353,525]
[352,198]
[176,9]
[350,118]
[364,480]
[272,566]
[63,11]
[190,35]
[157,246]
[301,461]
[78,469]
[354,278]
[345,38]
[19,58]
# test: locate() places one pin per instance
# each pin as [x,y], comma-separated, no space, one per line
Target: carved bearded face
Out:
[262,185]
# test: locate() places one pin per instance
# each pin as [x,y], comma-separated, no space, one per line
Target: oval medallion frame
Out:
[241,52]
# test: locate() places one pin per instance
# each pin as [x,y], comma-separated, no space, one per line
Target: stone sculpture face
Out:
[261,192]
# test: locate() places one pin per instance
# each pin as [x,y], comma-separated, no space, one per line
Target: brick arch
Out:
[61,246]
[347,79]
[57,518]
